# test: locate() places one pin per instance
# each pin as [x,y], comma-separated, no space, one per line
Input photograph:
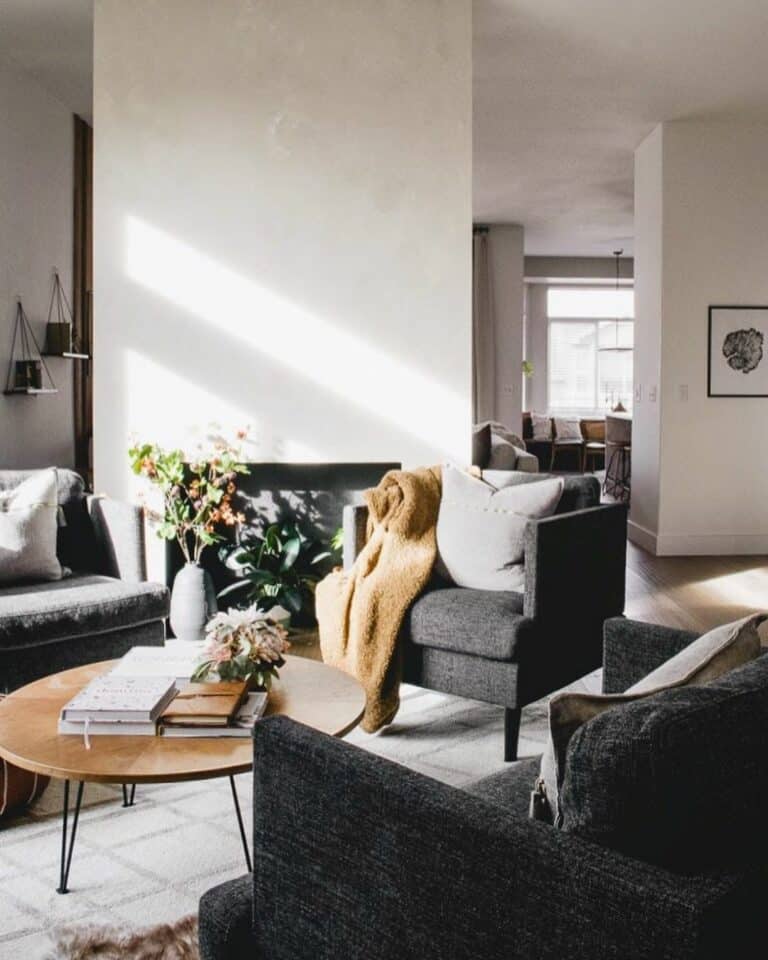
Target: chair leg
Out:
[511,732]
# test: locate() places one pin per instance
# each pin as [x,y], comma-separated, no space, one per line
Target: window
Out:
[591,336]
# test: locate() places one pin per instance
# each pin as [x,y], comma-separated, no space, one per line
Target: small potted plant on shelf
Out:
[197,501]
[243,645]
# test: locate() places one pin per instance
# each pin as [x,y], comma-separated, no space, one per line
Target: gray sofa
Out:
[511,648]
[98,612]
[361,858]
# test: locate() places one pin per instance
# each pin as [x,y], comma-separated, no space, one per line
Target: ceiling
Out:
[52,40]
[564,90]
[563,93]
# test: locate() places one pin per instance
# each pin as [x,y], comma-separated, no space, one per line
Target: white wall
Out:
[283,227]
[706,195]
[506,269]
[646,425]
[36,185]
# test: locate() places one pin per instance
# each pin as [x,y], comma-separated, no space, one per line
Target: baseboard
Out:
[711,545]
[641,536]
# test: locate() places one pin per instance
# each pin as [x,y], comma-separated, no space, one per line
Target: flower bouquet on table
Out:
[243,645]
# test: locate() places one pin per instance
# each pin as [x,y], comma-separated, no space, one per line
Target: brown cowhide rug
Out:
[167,941]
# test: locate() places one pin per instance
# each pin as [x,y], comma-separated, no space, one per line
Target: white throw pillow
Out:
[568,428]
[541,426]
[28,527]
[481,529]
[712,655]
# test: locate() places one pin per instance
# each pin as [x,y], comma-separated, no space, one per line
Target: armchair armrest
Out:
[575,564]
[631,650]
[371,860]
[354,522]
[119,530]
[526,462]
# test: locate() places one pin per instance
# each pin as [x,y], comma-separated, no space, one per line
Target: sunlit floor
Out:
[694,593]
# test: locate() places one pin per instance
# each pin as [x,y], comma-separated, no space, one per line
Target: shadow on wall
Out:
[223,329]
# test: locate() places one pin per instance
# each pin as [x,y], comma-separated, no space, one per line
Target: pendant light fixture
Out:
[614,346]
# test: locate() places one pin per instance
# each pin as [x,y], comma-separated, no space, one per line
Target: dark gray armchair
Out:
[511,648]
[101,610]
[361,858]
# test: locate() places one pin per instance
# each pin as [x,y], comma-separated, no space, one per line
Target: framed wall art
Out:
[738,352]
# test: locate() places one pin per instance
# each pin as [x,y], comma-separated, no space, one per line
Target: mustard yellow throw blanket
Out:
[360,610]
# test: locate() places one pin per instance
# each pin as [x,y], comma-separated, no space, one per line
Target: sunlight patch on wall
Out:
[289,335]
[191,414]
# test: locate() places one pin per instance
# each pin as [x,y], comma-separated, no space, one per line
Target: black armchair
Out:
[511,648]
[361,858]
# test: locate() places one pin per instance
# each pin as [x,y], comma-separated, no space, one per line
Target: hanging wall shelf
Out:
[59,338]
[28,373]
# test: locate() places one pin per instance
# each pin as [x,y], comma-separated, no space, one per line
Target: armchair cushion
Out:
[76,541]
[678,779]
[481,530]
[33,614]
[712,655]
[484,623]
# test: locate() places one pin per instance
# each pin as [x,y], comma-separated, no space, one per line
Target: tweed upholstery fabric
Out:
[82,604]
[510,789]
[20,665]
[119,531]
[464,675]
[679,778]
[632,649]
[708,658]
[360,858]
[485,623]
[225,928]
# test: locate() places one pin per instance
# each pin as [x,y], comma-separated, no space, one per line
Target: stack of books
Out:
[151,684]
[212,710]
[117,706]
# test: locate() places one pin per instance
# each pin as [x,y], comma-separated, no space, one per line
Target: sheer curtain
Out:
[483,336]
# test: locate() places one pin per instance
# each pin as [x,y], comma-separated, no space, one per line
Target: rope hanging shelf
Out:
[59,337]
[28,372]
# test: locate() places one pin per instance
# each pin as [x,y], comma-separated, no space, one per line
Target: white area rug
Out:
[150,863]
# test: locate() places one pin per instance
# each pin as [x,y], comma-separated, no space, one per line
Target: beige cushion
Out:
[28,528]
[541,426]
[568,428]
[709,657]
[481,529]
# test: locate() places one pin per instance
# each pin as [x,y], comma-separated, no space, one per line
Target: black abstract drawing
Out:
[743,349]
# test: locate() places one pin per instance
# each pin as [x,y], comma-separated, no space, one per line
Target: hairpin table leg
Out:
[66,849]
[128,797]
[240,824]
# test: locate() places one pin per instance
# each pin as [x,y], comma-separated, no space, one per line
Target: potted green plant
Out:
[277,568]
[196,501]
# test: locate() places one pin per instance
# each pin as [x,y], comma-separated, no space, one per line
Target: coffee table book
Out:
[124,699]
[242,725]
[205,704]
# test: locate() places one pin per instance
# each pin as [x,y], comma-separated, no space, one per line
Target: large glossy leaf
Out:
[293,599]
[234,587]
[290,553]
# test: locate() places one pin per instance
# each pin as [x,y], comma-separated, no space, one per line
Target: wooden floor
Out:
[694,593]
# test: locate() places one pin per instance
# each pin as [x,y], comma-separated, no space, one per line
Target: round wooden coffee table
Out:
[310,692]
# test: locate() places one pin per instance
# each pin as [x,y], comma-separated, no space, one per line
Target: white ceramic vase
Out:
[193,602]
